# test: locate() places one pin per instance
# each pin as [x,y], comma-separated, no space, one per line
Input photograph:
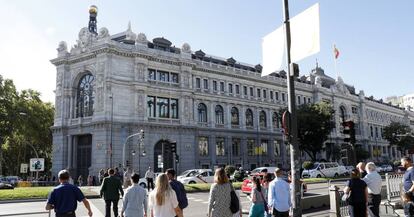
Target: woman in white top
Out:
[163,200]
[135,200]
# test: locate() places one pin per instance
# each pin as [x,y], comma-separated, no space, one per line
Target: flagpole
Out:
[295,164]
[335,62]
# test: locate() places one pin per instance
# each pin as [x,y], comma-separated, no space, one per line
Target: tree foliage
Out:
[399,135]
[25,122]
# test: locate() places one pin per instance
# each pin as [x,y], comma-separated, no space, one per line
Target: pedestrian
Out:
[265,187]
[357,202]
[80,180]
[90,180]
[127,178]
[374,184]
[178,188]
[101,175]
[163,200]
[219,199]
[64,197]
[257,198]
[110,189]
[408,186]
[135,200]
[361,168]
[279,195]
[150,176]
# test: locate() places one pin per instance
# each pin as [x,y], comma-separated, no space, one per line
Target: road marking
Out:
[198,200]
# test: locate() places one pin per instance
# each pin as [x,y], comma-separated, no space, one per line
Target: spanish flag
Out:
[336,52]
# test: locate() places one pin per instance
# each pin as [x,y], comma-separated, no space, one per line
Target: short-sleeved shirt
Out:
[179,189]
[168,208]
[357,187]
[259,195]
[408,179]
[64,198]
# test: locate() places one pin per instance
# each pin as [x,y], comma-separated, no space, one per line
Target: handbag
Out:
[346,196]
[266,207]
[234,201]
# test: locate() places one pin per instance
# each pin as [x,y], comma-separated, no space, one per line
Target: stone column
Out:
[70,152]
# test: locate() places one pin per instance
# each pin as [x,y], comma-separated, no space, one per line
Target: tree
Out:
[314,126]
[399,135]
[361,154]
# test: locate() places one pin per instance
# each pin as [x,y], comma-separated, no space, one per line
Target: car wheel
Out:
[336,175]
[319,176]
[143,185]
[191,182]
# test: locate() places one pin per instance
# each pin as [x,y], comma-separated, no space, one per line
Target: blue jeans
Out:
[408,209]
[257,210]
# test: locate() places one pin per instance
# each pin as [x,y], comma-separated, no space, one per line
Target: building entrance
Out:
[83,156]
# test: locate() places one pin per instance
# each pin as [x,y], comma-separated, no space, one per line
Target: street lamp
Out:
[112,121]
[141,133]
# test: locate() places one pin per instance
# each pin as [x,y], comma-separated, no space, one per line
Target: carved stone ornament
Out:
[103,33]
[186,48]
[62,47]
[142,38]
[318,81]
[85,39]
[340,86]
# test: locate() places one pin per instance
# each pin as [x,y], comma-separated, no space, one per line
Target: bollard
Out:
[335,210]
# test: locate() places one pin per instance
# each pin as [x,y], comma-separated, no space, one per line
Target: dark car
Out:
[6,186]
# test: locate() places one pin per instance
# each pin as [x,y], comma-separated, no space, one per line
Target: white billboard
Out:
[37,164]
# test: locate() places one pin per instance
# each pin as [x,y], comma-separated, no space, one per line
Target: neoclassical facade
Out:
[218,111]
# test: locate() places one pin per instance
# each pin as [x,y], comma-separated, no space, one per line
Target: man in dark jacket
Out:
[179,189]
[110,189]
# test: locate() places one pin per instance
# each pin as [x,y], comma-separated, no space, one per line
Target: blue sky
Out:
[375,37]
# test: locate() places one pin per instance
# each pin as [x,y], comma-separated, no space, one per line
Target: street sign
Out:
[23,168]
[37,164]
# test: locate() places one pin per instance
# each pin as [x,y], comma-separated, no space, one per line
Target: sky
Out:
[375,37]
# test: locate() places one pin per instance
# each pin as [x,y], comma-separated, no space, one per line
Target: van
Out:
[324,170]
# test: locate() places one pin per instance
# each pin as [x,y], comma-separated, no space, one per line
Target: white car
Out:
[324,170]
[190,173]
[203,176]
[143,181]
[384,168]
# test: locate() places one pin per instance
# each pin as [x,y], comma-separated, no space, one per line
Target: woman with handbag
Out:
[265,188]
[258,205]
[220,195]
[357,200]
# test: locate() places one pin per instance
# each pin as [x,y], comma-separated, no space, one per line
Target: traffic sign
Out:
[37,164]
[23,168]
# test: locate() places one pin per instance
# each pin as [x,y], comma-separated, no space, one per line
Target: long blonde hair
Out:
[220,176]
[162,187]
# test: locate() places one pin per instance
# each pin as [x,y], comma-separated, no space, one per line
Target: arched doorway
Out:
[163,157]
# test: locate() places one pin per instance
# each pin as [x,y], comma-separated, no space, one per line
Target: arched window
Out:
[262,119]
[202,113]
[219,114]
[234,116]
[342,117]
[249,118]
[85,96]
[275,120]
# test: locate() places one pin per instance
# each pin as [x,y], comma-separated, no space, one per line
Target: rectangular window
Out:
[203,146]
[230,88]
[237,89]
[258,92]
[276,148]
[220,149]
[151,74]
[298,102]
[151,106]
[222,86]
[263,147]
[205,84]
[309,100]
[174,78]
[245,90]
[283,97]
[304,100]
[163,107]
[163,76]
[174,108]
[354,110]
[251,91]
[235,147]
[271,95]
[250,147]
[214,85]
[277,96]
[264,94]
[198,83]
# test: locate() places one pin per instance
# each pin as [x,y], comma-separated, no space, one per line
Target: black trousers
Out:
[280,214]
[374,201]
[108,208]
[150,183]
[408,209]
[358,210]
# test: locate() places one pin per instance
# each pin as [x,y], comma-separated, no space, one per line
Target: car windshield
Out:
[314,166]
[185,173]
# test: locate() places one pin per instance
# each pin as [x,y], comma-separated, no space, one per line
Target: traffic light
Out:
[177,158]
[173,147]
[128,164]
[142,134]
[349,132]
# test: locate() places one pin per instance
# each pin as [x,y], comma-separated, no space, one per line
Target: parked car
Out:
[324,170]
[13,180]
[143,181]
[189,173]
[6,186]
[385,168]
[202,176]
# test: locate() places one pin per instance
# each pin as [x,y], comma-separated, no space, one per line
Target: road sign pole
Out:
[293,141]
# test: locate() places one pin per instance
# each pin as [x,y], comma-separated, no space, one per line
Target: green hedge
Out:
[32,193]
[206,187]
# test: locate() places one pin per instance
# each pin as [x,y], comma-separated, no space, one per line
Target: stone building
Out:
[218,111]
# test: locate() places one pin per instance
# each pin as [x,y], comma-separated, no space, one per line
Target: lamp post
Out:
[141,133]
[31,146]
[140,146]
[112,121]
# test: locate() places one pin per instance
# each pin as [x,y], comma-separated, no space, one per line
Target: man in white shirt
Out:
[374,184]
[279,195]
[150,176]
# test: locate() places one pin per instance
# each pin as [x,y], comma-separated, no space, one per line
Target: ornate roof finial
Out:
[317,65]
[93,13]
[129,25]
